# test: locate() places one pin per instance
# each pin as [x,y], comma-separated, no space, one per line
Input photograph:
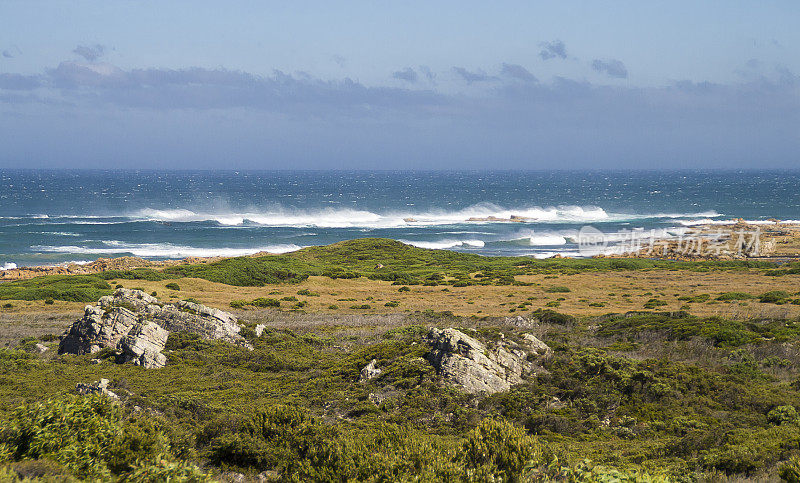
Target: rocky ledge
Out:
[474,367]
[137,325]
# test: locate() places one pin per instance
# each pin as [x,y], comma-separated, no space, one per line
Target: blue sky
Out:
[400,85]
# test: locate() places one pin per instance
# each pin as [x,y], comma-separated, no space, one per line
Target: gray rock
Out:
[233,477]
[260,329]
[99,327]
[41,348]
[536,346]
[97,387]
[519,321]
[268,475]
[469,364]
[370,371]
[137,325]
[143,345]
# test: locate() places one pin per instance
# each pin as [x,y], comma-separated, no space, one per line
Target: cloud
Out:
[340,60]
[518,72]
[611,67]
[517,120]
[19,82]
[551,50]
[90,52]
[11,52]
[426,71]
[470,77]
[408,74]
[201,88]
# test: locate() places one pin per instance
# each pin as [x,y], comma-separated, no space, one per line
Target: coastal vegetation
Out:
[633,389]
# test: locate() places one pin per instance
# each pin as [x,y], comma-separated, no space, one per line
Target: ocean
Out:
[53,217]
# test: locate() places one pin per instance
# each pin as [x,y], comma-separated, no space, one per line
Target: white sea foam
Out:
[164,250]
[8,266]
[445,244]
[60,233]
[347,218]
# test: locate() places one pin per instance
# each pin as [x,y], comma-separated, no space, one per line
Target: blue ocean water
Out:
[54,217]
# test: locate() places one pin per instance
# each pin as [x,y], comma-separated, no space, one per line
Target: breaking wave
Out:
[163,250]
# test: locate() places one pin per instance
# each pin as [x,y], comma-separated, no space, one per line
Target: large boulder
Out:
[143,345]
[471,365]
[98,328]
[137,326]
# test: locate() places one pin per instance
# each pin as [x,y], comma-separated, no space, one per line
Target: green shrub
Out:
[403,289]
[136,274]
[392,304]
[243,271]
[774,297]
[557,289]
[307,293]
[782,414]
[70,288]
[265,302]
[89,436]
[653,303]
[361,306]
[735,296]
[552,317]
[172,286]
[790,471]
[497,450]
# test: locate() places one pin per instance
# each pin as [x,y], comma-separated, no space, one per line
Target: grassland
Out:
[703,385]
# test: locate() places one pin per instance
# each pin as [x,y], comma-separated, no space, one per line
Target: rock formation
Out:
[137,326]
[97,387]
[469,364]
[370,371]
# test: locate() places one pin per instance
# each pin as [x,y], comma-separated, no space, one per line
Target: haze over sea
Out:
[59,216]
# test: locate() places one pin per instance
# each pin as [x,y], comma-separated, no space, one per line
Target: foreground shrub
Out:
[497,450]
[782,414]
[90,437]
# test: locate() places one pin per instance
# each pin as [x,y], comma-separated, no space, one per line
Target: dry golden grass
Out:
[585,288]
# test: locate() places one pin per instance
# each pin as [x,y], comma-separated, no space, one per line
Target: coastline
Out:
[777,240]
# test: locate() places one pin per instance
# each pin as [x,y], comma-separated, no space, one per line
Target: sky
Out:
[400,85]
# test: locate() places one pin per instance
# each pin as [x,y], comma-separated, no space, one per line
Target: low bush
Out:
[91,437]
[735,296]
[70,288]
[774,297]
